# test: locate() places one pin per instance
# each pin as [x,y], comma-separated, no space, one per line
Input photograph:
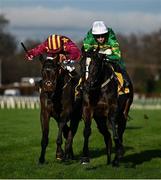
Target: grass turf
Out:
[20,136]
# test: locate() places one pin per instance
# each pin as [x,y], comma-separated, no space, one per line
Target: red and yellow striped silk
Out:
[54,42]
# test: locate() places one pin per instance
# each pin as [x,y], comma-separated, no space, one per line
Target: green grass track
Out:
[20,136]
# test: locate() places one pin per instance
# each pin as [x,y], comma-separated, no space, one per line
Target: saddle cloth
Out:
[121,89]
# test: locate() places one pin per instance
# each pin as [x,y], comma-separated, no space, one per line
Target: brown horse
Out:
[101,102]
[57,101]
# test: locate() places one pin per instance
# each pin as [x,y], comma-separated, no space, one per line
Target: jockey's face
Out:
[100,38]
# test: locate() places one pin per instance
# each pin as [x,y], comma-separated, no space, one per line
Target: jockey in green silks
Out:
[104,38]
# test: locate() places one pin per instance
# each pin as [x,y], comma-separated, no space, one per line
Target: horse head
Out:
[50,73]
[98,70]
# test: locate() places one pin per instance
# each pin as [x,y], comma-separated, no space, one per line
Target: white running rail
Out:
[19,102]
[33,102]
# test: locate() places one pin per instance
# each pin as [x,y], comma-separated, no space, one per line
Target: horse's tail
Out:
[131,94]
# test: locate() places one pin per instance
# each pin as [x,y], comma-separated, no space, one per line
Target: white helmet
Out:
[99,27]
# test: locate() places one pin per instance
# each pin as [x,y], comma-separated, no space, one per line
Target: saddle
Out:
[122,87]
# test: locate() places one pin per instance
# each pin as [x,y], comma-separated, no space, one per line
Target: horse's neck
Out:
[108,70]
[106,76]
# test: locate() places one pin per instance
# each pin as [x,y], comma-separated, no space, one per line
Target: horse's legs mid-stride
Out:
[86,133]
[59,141]
[113,119]
[44,118]
[69,140]
[102,127]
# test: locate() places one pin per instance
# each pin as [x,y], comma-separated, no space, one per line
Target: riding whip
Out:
[24,47]
[41,58]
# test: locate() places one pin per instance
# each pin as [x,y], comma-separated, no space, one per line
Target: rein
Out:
[107,81]
[65,85]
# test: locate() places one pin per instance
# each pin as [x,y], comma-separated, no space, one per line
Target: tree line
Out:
[141,53]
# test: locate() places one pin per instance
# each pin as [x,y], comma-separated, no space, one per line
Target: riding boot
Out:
[125,78]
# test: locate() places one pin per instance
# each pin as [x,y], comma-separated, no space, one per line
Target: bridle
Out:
[94,84]
[50,72]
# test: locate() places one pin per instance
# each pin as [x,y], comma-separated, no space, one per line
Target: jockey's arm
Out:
[113,43]
[72,54]
[115,53]
[72,51]
[38,50]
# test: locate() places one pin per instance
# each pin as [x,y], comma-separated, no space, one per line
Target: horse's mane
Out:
[102,69]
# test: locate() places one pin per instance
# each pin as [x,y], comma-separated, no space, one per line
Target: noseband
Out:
[49,76]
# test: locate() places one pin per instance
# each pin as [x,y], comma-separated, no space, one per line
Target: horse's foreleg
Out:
[59,141]
[121,126]
[119,142]
[113,115]
[66,130]
[86,134]
[124,107]
[74,122]
[102,126]
[76,116]
[69,140]
[45,131]
[68,146]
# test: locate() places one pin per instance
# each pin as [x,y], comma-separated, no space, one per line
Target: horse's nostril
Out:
[48,83]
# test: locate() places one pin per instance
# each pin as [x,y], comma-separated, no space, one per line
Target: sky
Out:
[37,19]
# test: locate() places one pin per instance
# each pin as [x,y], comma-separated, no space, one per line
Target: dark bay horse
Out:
[101,102]
[57,101]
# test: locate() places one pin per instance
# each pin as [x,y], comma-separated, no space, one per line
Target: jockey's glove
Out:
[62,57]
[70,68]
[107,51]
[69,65]
[29,56]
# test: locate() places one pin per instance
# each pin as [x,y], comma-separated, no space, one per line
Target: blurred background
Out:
[137,25]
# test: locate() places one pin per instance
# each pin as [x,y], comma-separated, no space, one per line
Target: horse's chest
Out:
[101,108]
[46,103]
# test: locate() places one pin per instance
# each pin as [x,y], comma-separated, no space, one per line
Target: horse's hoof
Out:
[115,163]
[41,160]
[108,162]
[85,160]
[69,157]
[84,163]
[121,153]
[59,157]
